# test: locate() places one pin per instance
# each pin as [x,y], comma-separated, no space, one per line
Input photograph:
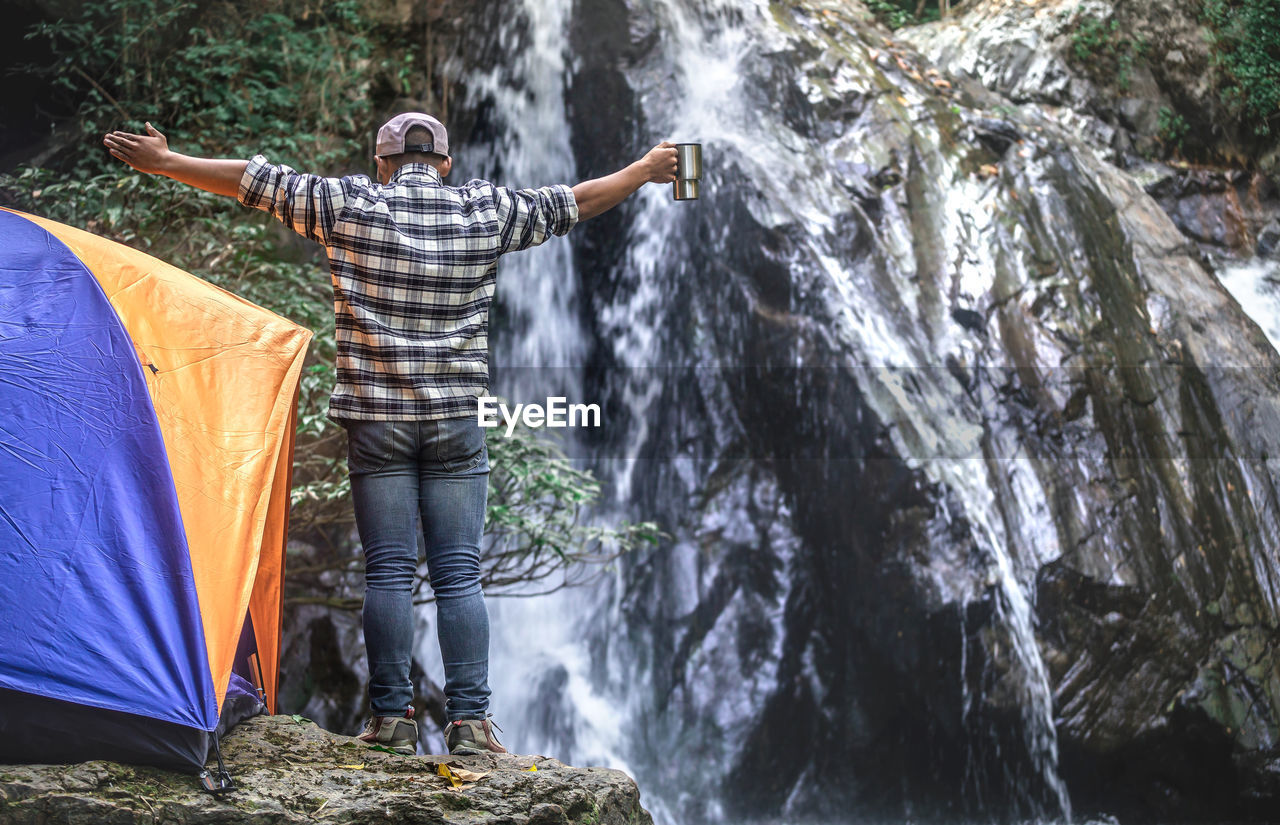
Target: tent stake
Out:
[219,783]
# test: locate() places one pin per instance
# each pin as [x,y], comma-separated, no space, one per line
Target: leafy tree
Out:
[233,79]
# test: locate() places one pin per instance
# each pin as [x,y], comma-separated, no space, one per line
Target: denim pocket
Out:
[369,445]
[459,444]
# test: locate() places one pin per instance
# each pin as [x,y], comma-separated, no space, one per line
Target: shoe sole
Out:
[466,750]
[403,750]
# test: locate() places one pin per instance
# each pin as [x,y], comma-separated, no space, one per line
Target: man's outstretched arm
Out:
[601,194]
[307,204]
[150,153]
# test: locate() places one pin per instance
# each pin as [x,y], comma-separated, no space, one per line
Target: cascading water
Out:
[736,671]
[709,49]
[690,87]
[527,145]
[1255,283]
[539,669]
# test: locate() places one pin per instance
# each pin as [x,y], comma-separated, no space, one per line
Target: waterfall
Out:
[567,671]
[537,288]
[540,671]
[1255,284]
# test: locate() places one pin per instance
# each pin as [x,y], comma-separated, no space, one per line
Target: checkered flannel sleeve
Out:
[308,204]
[527,217]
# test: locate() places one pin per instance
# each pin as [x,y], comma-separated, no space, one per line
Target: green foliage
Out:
[536,503]
[222,77]
[1173,127]
[1246,54]
[294,83]
[898,13]
[1093,36]
[1101,45]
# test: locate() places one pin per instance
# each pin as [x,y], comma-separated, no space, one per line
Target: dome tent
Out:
[146,444]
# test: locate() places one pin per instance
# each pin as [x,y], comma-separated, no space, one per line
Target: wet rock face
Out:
[1118,61]
[1232,210]
[294,772]
[1124,752]
[990,448]
[1135,78]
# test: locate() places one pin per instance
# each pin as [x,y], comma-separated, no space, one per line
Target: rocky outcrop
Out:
[1223,210]
[1134,78]
[1138,75]
[288,770]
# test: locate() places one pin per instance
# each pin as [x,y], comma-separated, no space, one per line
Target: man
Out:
[413,264]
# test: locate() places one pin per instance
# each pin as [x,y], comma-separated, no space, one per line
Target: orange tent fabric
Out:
[223,376]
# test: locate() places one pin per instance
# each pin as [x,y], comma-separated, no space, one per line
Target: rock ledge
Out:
[290,771]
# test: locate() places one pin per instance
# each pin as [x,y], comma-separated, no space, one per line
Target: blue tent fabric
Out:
[242,701]
[90,530]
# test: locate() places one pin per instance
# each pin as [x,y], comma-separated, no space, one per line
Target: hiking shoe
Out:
[397,733]
[471,737]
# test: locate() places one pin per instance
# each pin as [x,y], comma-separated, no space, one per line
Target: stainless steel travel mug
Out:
[688,171]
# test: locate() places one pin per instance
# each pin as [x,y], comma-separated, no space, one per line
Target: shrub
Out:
[1100,45]
[1246,55]
[1172,127]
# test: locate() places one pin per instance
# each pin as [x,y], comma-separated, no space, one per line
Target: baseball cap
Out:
[391,135]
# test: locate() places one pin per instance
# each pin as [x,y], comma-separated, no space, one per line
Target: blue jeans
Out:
[428,477]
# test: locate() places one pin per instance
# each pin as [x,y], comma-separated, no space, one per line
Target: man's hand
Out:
[150,153]
[661,162]
[147,153]
[601,194]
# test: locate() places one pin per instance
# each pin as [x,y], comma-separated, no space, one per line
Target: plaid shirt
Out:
[414,265]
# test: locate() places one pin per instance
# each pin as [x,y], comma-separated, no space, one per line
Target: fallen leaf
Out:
[301,720]
[352,767]
[533,768]
[384,749]
[444,771]
[469,776]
